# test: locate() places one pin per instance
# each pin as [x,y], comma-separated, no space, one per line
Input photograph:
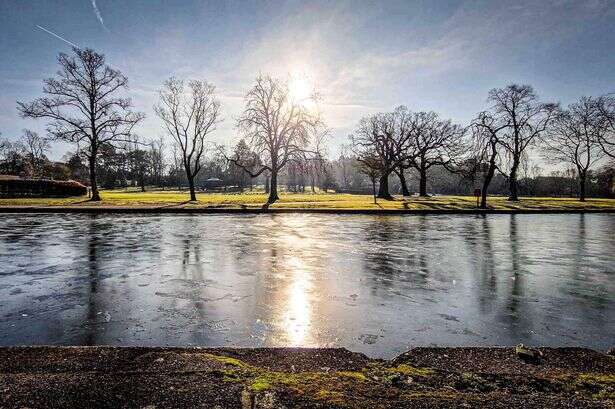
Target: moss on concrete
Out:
[130,377]
[408,370]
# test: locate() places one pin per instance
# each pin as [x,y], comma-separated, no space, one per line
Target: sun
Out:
[301,87]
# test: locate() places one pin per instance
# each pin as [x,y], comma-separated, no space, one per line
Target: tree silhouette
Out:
[83,105]
[189,114]
[527,119]
[574,138]
[276,127]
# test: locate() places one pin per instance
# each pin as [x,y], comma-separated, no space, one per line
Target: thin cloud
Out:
[98,15]
[57,36]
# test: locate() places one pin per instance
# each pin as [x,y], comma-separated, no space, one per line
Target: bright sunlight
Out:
[301,86]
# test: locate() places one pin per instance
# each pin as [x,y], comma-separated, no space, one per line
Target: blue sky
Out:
[364,57]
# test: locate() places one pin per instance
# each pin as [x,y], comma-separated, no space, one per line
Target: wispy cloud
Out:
[98,15]
[57,36]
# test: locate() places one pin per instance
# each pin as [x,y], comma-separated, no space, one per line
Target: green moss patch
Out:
[408,370]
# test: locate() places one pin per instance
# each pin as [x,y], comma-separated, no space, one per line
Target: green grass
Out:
[308,201]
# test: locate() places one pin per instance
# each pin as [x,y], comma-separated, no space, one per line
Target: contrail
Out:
[98,15]
[57,36]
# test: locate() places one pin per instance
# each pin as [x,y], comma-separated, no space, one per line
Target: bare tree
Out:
[157,161]
[434,142]
[344,162]
[138,161]
[36,148]
[371,165]
[83,105]
[249,160]
[487,131]
[389,136]
[189,114]
[12,158]
[177,164]
[573,138]
[277,128]
[314,162]
[605,129]
[527,120]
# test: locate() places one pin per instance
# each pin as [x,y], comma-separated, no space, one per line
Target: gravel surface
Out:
[110,377]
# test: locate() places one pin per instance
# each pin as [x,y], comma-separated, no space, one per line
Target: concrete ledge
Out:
[275,378]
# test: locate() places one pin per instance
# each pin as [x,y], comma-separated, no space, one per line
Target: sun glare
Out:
[301,87]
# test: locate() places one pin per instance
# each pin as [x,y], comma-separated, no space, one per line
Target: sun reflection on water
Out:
[298,313]
[293,290]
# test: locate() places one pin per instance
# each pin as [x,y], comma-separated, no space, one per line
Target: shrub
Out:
[12,188]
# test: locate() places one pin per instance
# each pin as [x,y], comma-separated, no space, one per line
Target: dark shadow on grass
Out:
[174,204]
[85,201]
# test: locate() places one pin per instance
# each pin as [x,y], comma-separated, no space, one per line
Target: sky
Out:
[362,56]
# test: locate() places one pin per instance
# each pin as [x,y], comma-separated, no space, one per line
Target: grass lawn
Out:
[306,200]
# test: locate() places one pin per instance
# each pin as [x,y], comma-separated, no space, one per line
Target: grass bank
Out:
[106,377]
[318,201]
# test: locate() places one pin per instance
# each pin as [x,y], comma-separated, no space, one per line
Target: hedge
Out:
[12,188]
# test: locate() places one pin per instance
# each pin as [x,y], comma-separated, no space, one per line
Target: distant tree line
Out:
[497,145]
[282,142]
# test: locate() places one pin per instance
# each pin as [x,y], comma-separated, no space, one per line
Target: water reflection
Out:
[92,249]
[480,245]
[393,253]
[517,274]
[297,318]
[290,282]
[373,284]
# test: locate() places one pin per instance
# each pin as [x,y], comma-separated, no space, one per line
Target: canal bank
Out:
[304,378]
[171,209]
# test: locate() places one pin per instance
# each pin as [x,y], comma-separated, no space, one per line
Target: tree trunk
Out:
[383,188]
[191,185]
[486,183]
[402,181]
[273,188]
[423,182]
[267,184]
[512,181]
[489,175]
[190,178]
[93,183]
[374,190]
[582,179]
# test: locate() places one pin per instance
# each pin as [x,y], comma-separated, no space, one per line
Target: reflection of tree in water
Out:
[579,260]
[588,293]
[192,272]
[483,260]
[394,253]
[518,276]
[246,244]
[106,241]
[519,322]
[26,230]
[92,245]
[288,283]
